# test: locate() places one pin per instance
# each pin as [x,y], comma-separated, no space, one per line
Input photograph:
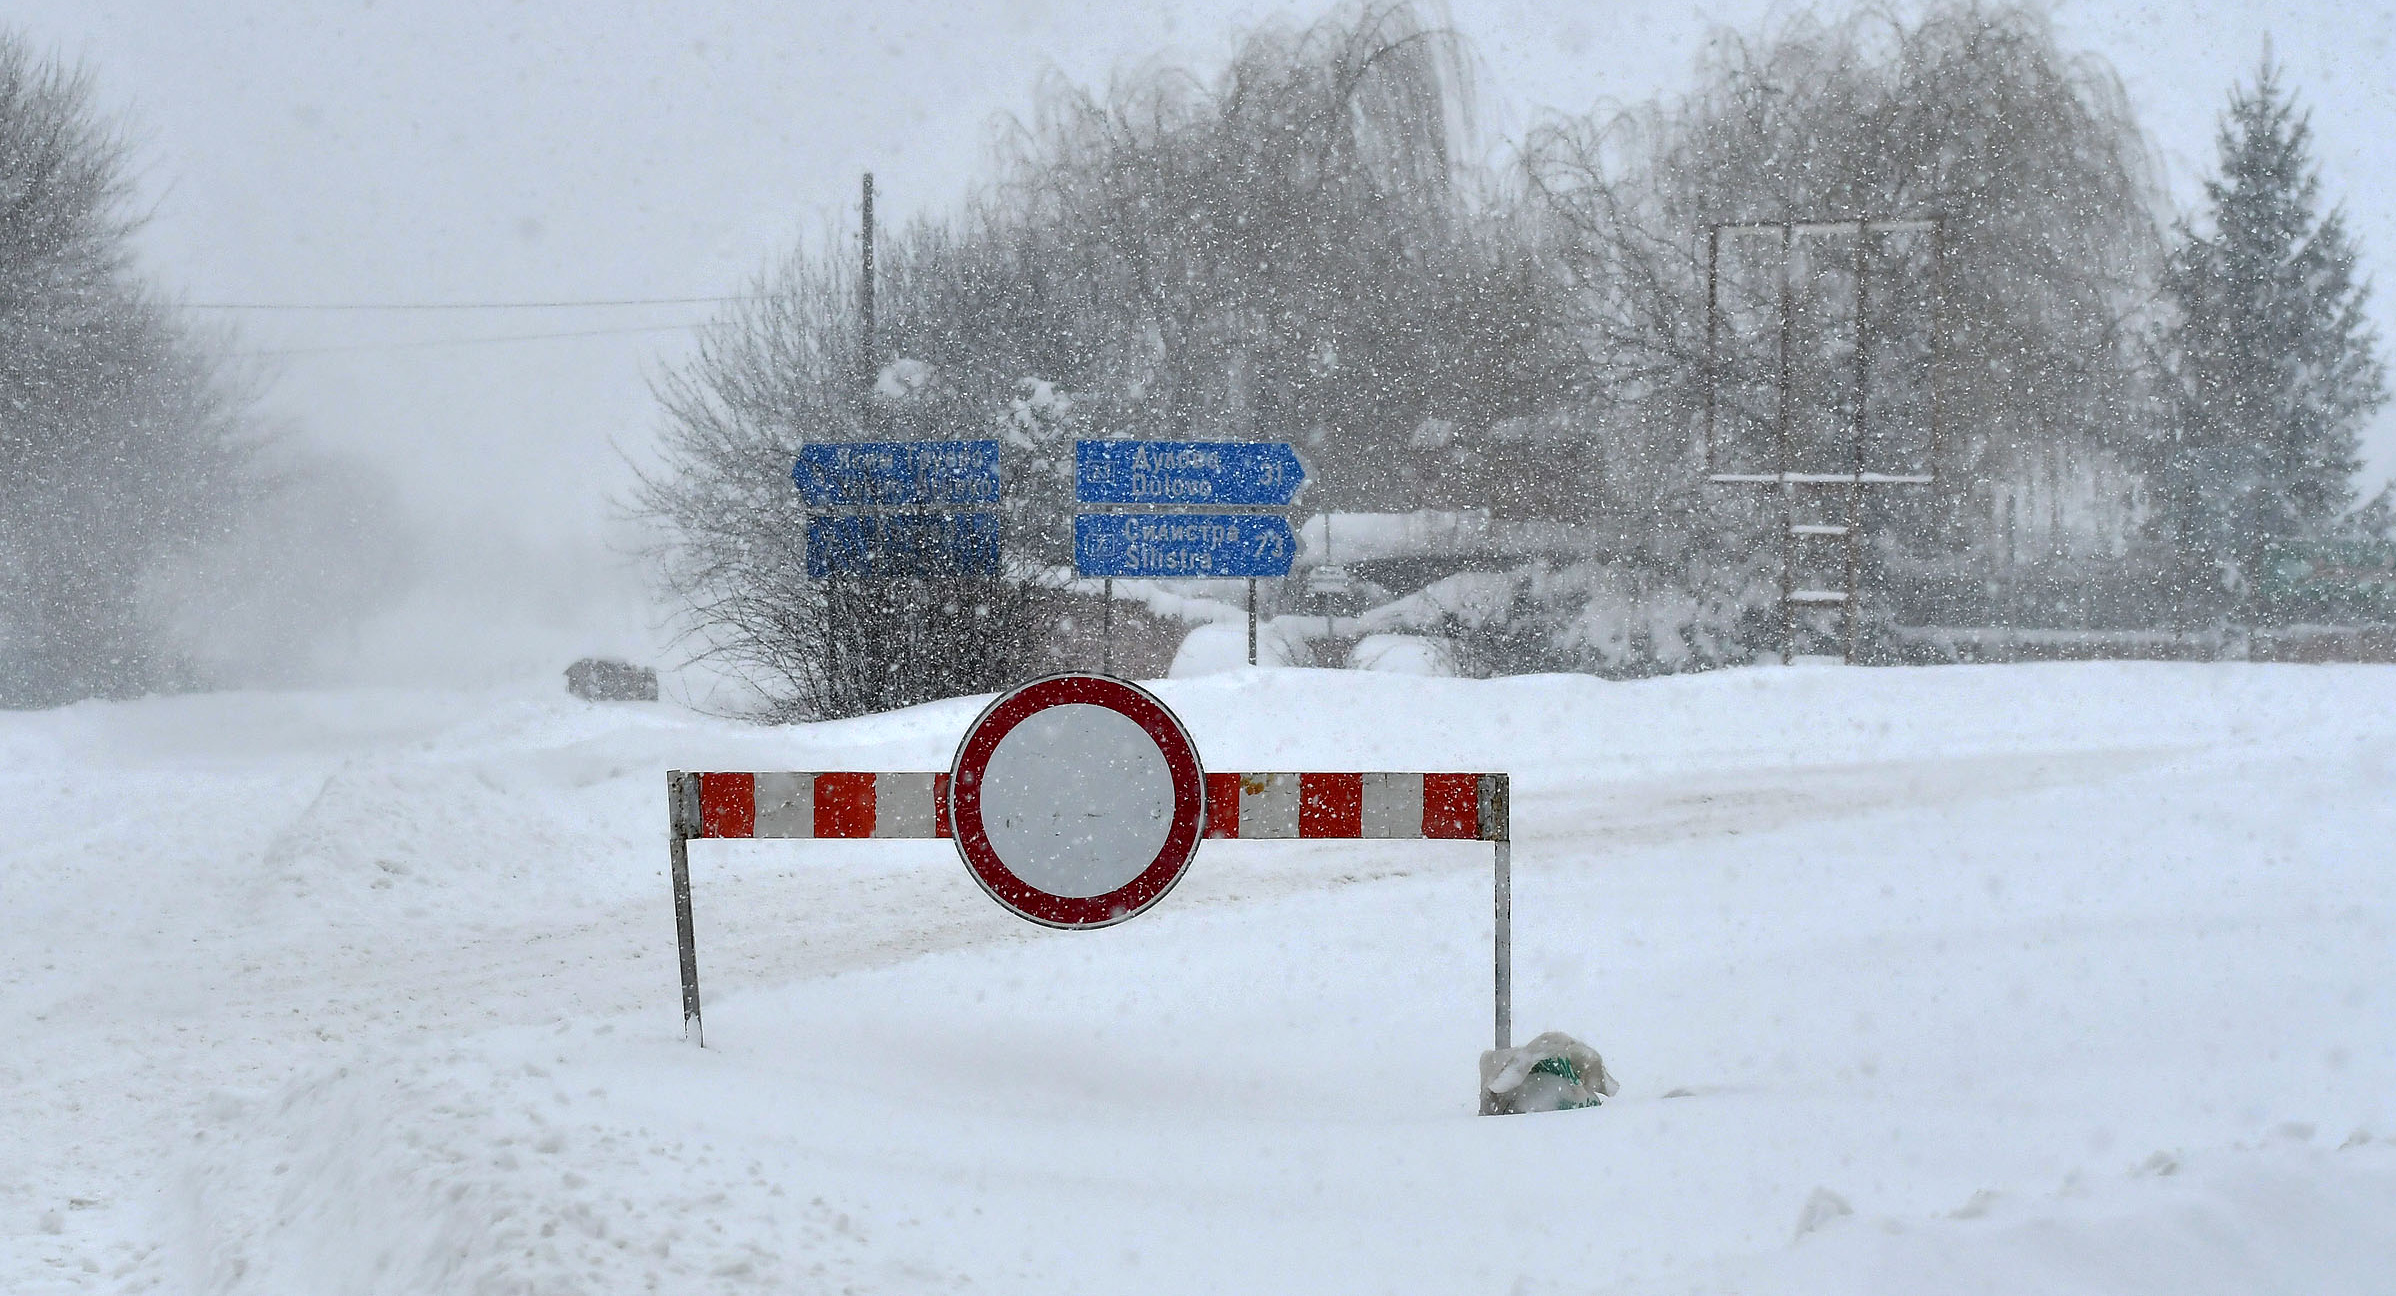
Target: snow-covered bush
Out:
[1606,619]
[1397,654]
[1220,646]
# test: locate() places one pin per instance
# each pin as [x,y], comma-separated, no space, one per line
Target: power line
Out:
[468,341]
[465,306]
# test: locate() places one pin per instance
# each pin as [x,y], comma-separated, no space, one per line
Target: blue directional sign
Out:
[897,474]
[1182,545]
[877,545]
[1186,472]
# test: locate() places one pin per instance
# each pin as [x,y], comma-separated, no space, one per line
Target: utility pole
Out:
[853,596]
[865,296]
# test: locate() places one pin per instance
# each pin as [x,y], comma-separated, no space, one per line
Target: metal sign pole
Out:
[1495,814]
[1106,650]
[1853,476]
[1252,620]
[682,821]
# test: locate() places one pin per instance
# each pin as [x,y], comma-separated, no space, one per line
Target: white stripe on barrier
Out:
[903,806]
[1268,806]
[1393,805]
[785,805]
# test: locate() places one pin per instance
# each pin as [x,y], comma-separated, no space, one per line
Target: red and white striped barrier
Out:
[1078,802]
[830,805]
[1247,807]
[853,805]
[1261,807]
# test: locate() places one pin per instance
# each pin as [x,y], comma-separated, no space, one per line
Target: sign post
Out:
[1183,546]
[1178,535]
[1215,474]
[846,476]
[1252,621]
[884,509]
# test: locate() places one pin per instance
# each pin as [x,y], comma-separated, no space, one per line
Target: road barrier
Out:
[852,805]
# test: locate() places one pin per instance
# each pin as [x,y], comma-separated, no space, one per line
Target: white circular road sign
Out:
[1077,800]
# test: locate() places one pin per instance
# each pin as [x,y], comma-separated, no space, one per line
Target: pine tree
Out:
[2274,364]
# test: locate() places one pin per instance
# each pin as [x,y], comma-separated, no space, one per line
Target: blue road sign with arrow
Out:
[1182,546]
[897,474]
[925,545]
[1238,473]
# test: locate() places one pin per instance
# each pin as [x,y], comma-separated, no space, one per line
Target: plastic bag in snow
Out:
[1554,1072]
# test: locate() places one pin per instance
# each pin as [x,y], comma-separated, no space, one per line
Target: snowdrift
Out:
[2053,978]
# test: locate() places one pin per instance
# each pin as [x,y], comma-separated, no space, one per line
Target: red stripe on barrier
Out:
[1222,805]
[940,806]
[1452,806]
[1331,805]
[727,805]
[844,805]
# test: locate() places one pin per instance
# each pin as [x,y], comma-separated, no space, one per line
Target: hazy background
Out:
[441,151]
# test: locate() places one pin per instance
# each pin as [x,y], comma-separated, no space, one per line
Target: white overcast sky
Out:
[439,150]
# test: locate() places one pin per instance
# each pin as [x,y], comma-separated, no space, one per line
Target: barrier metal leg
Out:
[1504,952]
[1496,821]
[679,815]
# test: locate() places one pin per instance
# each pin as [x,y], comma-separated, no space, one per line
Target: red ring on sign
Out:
[973,838]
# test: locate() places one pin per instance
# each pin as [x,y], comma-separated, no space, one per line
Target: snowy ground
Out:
[2007,979]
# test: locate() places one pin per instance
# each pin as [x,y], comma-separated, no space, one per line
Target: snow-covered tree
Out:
[1969,112]
[779,372]
[1292,251]
[2274,362]
[1284,252]
[121,444]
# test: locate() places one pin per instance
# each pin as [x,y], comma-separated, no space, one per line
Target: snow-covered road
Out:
[2022,978]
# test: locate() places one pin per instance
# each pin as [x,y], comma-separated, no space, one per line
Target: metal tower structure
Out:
[1810,492]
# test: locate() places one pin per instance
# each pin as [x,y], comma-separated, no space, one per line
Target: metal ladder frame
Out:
[1855,478]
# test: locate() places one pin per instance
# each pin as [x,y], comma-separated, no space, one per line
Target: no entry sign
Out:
[1077,800]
